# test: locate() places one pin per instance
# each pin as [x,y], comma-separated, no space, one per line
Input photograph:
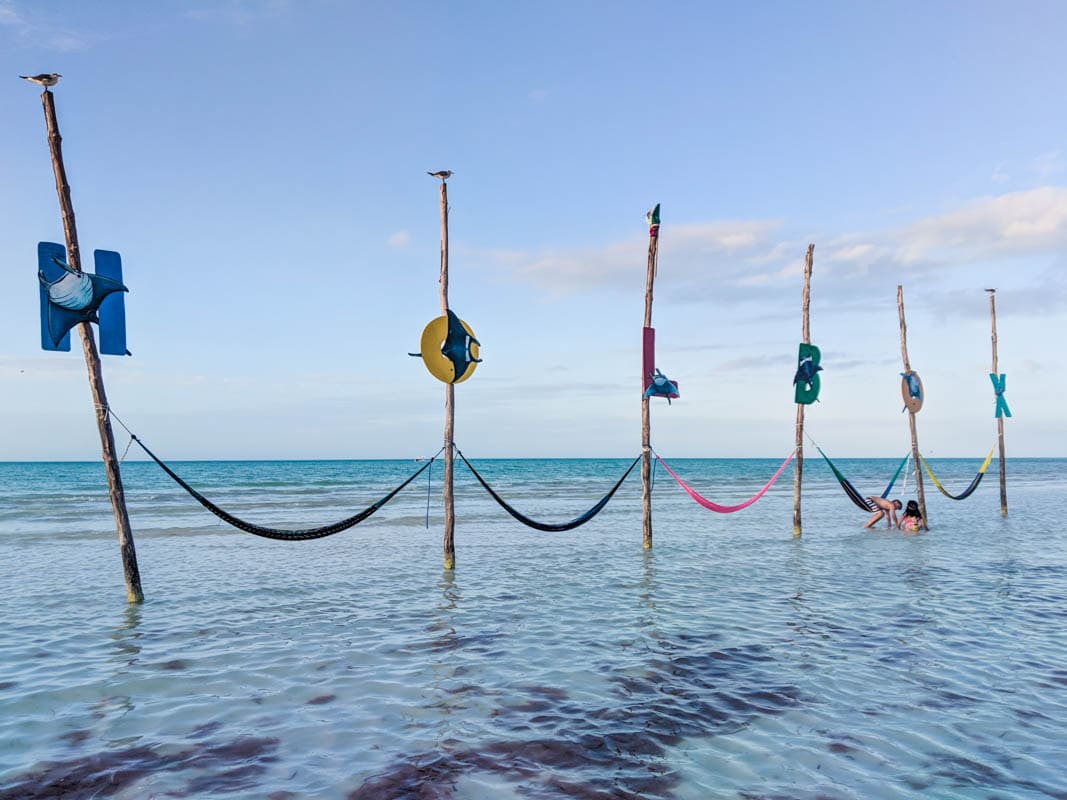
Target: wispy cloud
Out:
[239,13]
[1048,165]
[1017,223]
[30,29]
[399,240]
[750,259]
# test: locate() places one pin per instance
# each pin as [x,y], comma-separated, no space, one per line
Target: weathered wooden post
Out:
[450,395]
[646,425]
[92,362]
[1002,407]
[912,407]
[806,339]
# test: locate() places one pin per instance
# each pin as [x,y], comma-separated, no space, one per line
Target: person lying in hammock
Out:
[886,508]
[911,521]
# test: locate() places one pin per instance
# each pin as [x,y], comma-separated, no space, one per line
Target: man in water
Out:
[887,509]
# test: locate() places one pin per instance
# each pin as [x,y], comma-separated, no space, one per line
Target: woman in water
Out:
[911,521]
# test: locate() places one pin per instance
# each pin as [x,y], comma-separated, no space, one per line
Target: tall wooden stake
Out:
[911,414]
[646,425]
[806,338]
[1000,418]
[450,401]
[92,362]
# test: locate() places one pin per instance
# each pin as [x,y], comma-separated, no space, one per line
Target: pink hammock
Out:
[726,509]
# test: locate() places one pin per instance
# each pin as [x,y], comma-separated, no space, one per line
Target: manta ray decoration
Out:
[911,388]
[653,382]
[806,379]
[449,349]
[70,297]
[662,386]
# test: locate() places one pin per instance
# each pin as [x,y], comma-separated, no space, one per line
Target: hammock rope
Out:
[548,526]
[278,534]
[721,509]
[970,489]
[853,493]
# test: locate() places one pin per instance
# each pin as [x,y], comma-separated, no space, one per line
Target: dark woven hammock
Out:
[853,493]
[276,533]
[547,526]
[974,483]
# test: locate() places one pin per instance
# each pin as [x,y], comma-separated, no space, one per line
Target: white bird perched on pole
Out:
[45,79]
[443,174]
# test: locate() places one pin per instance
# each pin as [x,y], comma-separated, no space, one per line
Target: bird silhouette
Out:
[443,174]
[45,79]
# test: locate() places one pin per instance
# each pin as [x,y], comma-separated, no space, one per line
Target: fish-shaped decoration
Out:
[662,386]
[458,346]
[70,296]
[449,348]
[806,371]
[806,380]
[911,388]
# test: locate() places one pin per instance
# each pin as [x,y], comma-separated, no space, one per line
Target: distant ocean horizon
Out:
[731,660]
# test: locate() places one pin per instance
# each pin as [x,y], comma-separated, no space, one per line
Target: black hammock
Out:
[852,492]
[547,526]
[276,533]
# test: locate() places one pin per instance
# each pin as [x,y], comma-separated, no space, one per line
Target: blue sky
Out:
[261,168]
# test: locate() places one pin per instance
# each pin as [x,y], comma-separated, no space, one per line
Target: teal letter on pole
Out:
[998,388]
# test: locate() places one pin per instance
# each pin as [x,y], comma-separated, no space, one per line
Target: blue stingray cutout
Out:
[457,347]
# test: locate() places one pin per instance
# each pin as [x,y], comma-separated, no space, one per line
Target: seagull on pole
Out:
[45,79]
[443,174]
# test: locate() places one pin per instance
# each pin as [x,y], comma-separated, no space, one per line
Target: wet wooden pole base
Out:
[127,552]
[798,474]
[911,414]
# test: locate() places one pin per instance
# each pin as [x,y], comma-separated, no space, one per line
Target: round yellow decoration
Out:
[433,339]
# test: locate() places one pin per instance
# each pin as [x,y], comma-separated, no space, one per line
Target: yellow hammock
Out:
[970,489]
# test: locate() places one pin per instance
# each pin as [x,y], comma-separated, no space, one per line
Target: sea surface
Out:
[732,660]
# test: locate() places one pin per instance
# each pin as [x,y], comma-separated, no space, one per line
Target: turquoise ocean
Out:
[730,661]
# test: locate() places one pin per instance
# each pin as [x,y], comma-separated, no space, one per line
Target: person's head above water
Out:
[912,509]
[897,504]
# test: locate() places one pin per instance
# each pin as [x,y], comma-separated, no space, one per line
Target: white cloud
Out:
[239,13]
[1016,223]
[750,259]
[42,33]
[1049,164]
[400,239]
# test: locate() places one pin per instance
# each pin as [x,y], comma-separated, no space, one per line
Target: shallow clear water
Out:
[731,661]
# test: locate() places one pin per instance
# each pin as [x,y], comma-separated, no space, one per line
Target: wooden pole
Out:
[450,401]
[1000,418]
[92,362]
[911,414]
[806,338]
[646,422]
